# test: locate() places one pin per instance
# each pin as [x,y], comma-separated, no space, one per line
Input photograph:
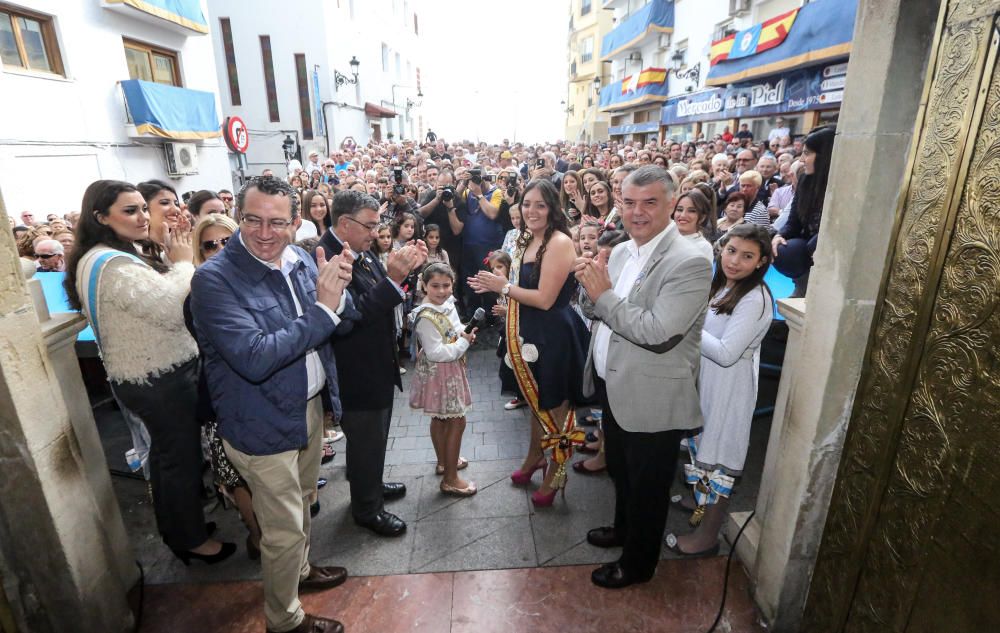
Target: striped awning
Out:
[818,31]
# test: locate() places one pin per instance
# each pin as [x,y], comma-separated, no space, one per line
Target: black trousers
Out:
[367,434]
[641,465]
[168,407]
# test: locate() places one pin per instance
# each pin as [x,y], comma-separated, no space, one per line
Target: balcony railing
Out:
[655,17]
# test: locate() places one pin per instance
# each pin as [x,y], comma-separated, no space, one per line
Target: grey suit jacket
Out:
[655,347]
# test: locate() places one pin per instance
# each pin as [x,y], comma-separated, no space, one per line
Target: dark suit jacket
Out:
[367,359]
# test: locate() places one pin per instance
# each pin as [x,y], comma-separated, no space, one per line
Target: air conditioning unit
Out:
[738,7]
[182,158]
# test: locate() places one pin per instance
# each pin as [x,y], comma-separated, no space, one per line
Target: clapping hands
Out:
[334,276]
[592,273]
[405,260]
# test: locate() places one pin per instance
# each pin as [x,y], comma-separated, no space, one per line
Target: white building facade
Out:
[64,118]
[308,76]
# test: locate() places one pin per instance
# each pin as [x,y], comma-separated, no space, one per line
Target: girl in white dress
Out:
[739,315]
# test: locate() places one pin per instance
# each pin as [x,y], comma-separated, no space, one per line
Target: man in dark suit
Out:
[367,362]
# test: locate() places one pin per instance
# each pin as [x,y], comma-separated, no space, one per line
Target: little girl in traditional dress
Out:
[739,315]
[440,385]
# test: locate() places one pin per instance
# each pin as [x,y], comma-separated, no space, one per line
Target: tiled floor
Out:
[682,598]
[496,529]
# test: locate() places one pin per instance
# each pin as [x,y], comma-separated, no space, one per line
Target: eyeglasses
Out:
[253,222]
[48,255]
[214,245]
[373,226]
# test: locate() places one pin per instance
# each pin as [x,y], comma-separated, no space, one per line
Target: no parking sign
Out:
[234,130]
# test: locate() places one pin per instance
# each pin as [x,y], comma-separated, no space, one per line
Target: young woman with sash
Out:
[133,302]
[546,340]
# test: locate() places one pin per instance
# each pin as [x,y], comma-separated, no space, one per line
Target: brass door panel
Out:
[907,544]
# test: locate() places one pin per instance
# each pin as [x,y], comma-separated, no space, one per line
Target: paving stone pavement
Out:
[496,529]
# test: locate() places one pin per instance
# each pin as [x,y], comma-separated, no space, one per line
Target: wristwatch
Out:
[506,289]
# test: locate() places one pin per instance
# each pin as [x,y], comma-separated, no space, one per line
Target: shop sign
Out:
[811,88]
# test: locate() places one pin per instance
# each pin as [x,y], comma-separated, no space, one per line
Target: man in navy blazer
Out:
[366,357]
[265,314]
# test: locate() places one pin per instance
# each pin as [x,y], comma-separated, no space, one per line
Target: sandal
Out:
[462,463]
[468,491]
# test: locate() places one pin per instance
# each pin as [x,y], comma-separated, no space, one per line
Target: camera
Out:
[511,186]
[476,176]
[397,175]
[448,194]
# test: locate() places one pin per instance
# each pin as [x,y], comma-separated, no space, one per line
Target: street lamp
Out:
[342,79]
[693,73]
[287,146]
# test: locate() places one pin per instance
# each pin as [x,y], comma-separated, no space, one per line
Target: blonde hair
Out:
[212,219]
[751,176]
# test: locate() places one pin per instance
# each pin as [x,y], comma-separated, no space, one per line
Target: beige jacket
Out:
[655,345]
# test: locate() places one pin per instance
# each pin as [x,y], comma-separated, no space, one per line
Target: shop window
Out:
[150,63]
[28,40]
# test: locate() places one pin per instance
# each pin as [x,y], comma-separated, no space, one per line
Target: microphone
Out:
[477,320]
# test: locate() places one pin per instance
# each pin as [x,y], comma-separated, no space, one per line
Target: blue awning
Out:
[171,112]
[186,13]
[613,99]
[822,31]
[657,16]
[634,128]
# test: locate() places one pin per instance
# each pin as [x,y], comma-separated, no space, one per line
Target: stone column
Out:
[892,42]
[61,536]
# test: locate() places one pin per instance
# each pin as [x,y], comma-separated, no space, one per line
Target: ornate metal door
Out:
[911,542]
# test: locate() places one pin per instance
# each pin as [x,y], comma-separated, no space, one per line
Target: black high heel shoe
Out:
[228,549]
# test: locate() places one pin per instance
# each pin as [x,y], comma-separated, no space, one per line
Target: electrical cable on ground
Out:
[725,580]
[142,586]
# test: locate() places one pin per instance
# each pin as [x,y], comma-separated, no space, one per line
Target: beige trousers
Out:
[283,487]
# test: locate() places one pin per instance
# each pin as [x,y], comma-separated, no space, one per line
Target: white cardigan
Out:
[142,320]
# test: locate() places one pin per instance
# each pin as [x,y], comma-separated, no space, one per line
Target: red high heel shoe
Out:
[523,478]
[540,500]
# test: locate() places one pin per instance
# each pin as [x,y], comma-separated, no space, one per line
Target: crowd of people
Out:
[625,280]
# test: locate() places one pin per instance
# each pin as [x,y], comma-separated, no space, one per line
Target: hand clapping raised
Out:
[334,276]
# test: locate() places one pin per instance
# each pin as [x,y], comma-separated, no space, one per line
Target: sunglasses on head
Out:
[214,245]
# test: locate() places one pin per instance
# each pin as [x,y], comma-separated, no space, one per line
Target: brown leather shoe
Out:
[323,578]
[316,624]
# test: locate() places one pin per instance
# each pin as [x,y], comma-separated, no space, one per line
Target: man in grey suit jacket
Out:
[648,301]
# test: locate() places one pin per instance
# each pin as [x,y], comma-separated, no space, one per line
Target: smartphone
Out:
[539,163]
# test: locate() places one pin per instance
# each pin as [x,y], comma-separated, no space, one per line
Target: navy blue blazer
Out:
[255,345]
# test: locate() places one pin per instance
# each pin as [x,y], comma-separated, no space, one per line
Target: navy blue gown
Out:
[562,340]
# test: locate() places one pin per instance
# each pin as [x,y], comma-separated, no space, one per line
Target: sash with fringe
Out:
[560,436]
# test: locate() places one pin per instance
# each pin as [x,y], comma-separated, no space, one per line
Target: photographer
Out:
[482,231]
[397,202]
[440,206]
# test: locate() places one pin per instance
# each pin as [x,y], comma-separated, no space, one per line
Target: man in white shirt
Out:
[778,131]
[648,301]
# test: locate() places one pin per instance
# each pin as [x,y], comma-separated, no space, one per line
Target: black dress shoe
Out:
[392,491]
[613,576]
[314,509]
[384,524]
[604,537]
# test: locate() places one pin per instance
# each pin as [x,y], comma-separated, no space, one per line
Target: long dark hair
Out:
[753,233]
[706,221]
[149,189]
[97,200]
[556,221]
[808,200]
[307,210]
[592,209]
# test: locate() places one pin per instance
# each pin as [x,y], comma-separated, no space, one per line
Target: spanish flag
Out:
[647,77]
[756,39]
